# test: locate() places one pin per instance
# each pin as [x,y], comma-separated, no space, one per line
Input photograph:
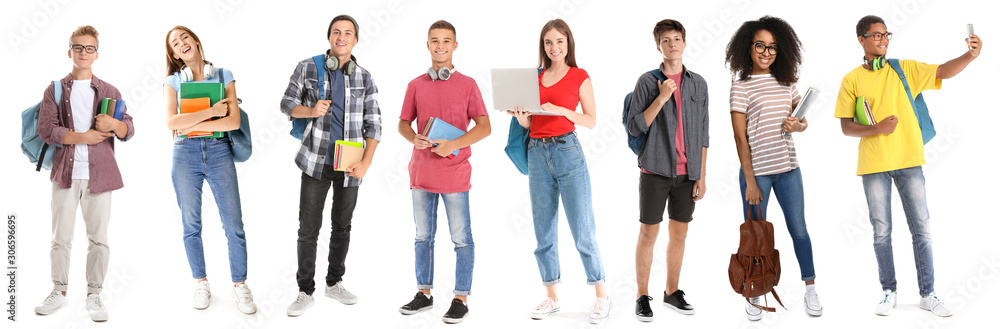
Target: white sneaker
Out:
[600,310]
[753,313]
[341,294]
[52,302]
[887,304]
[95,306]
[813,307]
[244,299]
[548,306]
[202,295]
[933,304]
[299,306]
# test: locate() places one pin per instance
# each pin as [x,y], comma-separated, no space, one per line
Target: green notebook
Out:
[213,90]
[863,112]
[104,105]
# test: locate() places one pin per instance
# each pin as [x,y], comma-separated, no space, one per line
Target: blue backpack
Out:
[37,150]
[299,124]
[635,142]
[918,104]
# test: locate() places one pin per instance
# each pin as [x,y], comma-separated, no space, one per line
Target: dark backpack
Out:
[37,150]
[635,142]
[754,269]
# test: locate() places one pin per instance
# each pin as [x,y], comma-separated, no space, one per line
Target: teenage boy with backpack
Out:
[348,112]
[84,170]
[449,96]
[671,160]
[893,149]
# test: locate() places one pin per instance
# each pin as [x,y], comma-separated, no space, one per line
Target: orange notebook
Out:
[192,105]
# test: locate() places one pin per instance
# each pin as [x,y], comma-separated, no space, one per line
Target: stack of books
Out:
[439,129]
[115,106]
[199,96]
[863,112]
[346,154]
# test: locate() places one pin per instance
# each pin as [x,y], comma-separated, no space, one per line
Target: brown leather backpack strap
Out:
[763,308]
[775,294]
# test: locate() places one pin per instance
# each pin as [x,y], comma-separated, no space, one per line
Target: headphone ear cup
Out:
[432,74]
[332,63]
[186,74]
[349,68]
[209,70]
[444,73]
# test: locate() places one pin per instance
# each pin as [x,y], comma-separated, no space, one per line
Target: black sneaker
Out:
[642,310]
[676,302]
[457,312]
[419,303]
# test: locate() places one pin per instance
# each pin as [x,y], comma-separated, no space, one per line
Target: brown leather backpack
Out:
[754,269]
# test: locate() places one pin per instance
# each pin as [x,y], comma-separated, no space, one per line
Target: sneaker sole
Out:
[757,317]
[644,318]
[412,312]
[932,312]
[454,320]
[52,311]
[99,319]
[672,307]
[538,316]
[343,300]
[810,311]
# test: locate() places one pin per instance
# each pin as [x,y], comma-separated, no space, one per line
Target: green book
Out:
[863,112]
[104,105]
[213,90]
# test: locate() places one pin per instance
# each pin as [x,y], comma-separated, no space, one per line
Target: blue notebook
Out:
[119,109]
[439,129]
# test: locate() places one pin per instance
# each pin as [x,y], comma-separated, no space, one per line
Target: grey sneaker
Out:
[341,294]
[933,304]
[52,302]
[96,308]
[299,306]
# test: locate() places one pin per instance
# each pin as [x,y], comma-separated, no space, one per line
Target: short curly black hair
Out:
[865,23]
[786,65]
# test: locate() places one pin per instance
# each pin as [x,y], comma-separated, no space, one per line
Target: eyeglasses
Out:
[80,48]
[760,48]
[878,36]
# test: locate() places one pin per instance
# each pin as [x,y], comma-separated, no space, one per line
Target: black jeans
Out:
[312,197]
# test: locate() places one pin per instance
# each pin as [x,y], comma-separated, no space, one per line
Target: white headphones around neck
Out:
[209,72]
[441,74]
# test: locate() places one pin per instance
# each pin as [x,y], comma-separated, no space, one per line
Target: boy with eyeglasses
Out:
[84,170]
[892,150]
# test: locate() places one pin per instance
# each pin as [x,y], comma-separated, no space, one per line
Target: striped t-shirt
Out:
[766,105]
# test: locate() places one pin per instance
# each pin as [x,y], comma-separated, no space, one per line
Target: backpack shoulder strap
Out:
[658,74]
[58,90]
[902,76]
[320,77]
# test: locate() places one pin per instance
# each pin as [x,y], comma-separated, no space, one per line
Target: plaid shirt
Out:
[362,118]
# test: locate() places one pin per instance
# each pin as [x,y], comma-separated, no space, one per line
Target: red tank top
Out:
[564,93]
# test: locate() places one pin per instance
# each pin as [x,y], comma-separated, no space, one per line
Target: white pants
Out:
[96,215]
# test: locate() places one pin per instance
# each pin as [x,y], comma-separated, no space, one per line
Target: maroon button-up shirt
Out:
[53,125]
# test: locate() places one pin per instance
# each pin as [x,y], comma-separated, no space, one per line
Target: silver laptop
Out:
[517,88]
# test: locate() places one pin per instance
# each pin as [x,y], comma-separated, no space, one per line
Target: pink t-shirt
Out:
[682,159]
[457,101]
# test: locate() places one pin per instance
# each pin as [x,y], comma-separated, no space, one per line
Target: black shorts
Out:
[656,190]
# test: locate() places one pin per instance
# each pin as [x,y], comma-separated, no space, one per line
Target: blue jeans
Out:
[209,159]
[787,188]
[459,222]
[559,169]
[878,190]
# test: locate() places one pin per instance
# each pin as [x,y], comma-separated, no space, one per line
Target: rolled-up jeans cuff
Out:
[553,282]
[809,278]
[462,293]
[425,286]
[595,283]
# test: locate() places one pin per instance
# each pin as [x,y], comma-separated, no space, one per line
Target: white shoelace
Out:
[301,298]
[598,307]
[547,305]
[96,303]
[51,298]
[813,299]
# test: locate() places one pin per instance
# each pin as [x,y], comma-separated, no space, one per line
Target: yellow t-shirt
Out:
[904,148]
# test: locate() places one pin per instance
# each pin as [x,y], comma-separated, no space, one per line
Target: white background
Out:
[149,282]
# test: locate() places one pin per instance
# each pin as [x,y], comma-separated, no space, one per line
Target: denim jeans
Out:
[787,188]
[878,190]
[559,169]
[209,159]
[312,196]
[459,223]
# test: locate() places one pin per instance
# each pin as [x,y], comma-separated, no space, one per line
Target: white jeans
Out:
[96,215]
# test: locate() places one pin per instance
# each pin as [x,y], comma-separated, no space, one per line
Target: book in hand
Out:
[346,154]
[212,91]
[113,107]
[863,112]
[806,103]
[439,129]
[191,105]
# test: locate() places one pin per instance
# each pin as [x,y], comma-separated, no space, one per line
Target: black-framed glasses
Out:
[80,48]
[878,36]
[760,48]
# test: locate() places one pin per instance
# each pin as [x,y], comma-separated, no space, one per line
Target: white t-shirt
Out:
[81,101]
